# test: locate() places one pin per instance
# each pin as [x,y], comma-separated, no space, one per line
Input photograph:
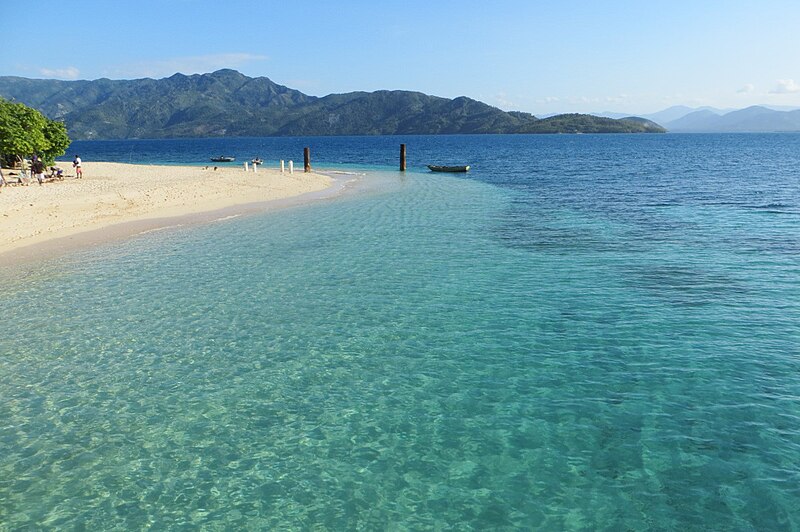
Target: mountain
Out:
[666,115]
[218,104]
[755,119]
[227,103]
[695,121]
[610,114]
[578,123]
[677,112]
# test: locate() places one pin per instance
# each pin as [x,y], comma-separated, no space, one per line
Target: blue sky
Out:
[536,56]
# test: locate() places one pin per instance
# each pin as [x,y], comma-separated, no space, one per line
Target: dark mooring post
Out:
[402,157]
[306,159]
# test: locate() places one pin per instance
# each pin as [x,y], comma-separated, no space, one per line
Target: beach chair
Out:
[18,179]
[24,179]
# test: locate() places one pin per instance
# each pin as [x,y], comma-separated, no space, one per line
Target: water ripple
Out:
[603,337]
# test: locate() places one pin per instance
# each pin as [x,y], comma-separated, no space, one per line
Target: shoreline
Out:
[115,201]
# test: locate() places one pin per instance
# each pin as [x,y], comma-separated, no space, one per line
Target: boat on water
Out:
[257,161]
[223,159]
[435,168]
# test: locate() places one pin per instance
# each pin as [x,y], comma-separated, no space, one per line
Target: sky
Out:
[541,57]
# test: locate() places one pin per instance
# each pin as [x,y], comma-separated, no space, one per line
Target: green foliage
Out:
[227,103]
[55,134]
[21,130]
[25,132]
[579,123]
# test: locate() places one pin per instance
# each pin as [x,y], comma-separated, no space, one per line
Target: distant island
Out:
[753,119]
[227,103]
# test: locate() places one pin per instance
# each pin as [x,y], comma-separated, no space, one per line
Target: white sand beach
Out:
[114,193]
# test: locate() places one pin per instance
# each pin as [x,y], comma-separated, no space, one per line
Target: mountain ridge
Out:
[706,119]
[228,103]
[753,119]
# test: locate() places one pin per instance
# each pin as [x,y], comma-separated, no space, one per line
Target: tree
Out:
[25,132]
[55,134]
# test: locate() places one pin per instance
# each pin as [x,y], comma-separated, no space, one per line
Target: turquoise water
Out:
[604,337]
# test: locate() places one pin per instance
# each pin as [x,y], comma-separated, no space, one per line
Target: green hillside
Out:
[227,103]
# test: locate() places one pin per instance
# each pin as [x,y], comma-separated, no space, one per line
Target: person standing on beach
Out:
[38,170]
[76,163]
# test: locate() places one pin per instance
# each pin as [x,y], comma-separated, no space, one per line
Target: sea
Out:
[583,332]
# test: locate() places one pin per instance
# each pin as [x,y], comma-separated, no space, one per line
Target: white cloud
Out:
[786,86]
[617,99]
[60,73]
[747,89]
[501,100]
[185,65]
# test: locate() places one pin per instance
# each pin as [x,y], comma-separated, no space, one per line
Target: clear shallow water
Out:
[587,332]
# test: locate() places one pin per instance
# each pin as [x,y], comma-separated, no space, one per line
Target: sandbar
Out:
[113,195]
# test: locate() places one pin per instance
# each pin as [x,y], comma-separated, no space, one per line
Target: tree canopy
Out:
[25,132]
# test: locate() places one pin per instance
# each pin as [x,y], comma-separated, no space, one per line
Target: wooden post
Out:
[245,166]
[402,157]
[306,159]
[282,166]
[291,167]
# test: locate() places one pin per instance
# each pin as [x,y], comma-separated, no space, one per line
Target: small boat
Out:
[223,159]
[257,161]
[435,168]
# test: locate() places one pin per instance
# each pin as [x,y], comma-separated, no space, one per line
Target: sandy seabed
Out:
[111,194]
